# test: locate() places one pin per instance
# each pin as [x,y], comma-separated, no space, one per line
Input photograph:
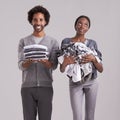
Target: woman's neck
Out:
[78,39]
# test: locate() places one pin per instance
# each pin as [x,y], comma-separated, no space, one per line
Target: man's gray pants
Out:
[77,93]
[37,100]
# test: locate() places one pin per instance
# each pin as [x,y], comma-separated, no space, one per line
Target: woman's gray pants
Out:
[89,90]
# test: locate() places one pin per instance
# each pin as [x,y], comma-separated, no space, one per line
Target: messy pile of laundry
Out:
[77,71]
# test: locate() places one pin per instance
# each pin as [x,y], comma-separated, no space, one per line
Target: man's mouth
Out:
[38,27]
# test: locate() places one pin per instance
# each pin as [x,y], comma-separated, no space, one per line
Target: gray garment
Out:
[93,46]
[87,87]
[37,100]
[77,93]
[37,74]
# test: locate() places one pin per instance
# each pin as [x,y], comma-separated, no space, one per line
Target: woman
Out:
[87,86]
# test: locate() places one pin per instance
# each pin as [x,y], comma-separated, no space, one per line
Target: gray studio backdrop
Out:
[105,18]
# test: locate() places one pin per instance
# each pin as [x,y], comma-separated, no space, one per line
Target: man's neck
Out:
[39,34]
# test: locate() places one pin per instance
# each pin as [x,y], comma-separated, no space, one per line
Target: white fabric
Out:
[36,52]
[32,52]
[35,46]
[77,71]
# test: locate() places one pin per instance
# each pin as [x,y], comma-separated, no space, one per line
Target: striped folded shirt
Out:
[35,52]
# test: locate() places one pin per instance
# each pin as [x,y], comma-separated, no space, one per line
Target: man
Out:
[37,59]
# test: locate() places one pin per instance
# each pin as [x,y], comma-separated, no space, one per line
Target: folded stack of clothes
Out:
[35,52]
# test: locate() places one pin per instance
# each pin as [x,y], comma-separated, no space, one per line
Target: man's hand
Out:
[46,62]
[27,63]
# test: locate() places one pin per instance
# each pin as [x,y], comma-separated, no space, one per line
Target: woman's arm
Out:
[91,58]
[67,60]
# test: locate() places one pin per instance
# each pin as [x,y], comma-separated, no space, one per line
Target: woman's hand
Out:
[67,61]
[92,58]
[88,58]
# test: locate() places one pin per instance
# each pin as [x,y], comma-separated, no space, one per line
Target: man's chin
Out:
[38,30]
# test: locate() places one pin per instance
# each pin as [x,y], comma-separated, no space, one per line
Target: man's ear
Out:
[45,23]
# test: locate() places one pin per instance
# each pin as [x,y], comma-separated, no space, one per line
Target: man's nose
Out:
[38,22]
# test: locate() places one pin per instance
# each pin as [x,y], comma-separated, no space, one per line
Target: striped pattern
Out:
[35,52]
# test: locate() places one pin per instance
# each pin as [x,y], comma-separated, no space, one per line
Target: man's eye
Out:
[41,19]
